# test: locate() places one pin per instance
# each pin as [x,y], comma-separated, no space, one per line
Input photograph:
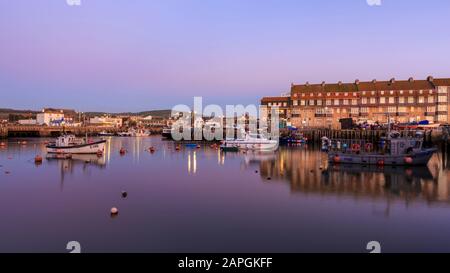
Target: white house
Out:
[106,121]
[50,117]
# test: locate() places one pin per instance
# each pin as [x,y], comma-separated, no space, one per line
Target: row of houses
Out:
[324,104]
[64,117]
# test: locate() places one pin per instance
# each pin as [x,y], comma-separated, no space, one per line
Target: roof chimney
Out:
[374,81]
[340,83]
[430,79]
[356,81]
[392,81]
[307,84]
[411,79]
[323,83]
[292,84]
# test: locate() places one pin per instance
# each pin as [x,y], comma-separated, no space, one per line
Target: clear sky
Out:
[132,55]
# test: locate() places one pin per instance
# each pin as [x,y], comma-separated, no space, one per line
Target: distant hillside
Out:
[13,111]
[158,113]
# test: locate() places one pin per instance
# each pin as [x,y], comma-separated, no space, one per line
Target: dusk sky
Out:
[133,55]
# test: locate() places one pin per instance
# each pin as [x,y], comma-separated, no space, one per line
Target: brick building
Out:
[323,105]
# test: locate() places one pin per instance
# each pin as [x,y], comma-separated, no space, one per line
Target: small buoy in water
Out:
[198,146]
[2,144]
[408,160]
[38,159]
[24,143]
[7,172]
[114,211]
[177,148]
[122,151]
[151,149]
[256,171]
[124,194]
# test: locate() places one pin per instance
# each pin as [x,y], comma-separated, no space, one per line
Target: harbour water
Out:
[203,200]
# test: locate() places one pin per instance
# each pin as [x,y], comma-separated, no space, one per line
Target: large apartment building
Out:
[323,105]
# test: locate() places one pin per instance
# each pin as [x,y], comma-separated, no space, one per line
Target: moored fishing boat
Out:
[69,144]
[393,150]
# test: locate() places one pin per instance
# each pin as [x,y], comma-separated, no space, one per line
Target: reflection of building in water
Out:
[307,171]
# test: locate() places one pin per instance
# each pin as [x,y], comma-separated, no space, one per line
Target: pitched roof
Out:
[441,82]
[395,85]
[273,99]
[370,86]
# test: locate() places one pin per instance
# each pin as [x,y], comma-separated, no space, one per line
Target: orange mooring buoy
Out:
[122,151]
[38,159]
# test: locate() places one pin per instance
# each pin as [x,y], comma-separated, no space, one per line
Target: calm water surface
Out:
[202,200]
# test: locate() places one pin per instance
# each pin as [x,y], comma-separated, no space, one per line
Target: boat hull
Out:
[417,158]
[257,146]
[88,148]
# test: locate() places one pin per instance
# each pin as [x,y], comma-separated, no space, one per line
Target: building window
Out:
[364,92]
[337,94]
[410,91]
[402,109]
[430,92]
[391,100]
[302,102]
[364,110]
[364,101]
[320,94]
[354,102]
[421,92]
[442,99]
[345,102]
[401,100]
[430,99]
[392,109]
[355,94]
[285,104]
[303,95]
[295,102]
[319,102]
[391,92]
[346,94]
[442,118]
[373,93]
[442,108]
[410,99]
[270,104]
[336,102]
[431,109]
[328,102]
[382,92]
[421,99]
[354,111]
[373,100]
[382,100]
[311,102]
[328,94]
[401,92]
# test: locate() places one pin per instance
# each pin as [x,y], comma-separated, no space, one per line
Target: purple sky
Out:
[132,55]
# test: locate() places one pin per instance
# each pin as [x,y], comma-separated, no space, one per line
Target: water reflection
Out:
[307,171]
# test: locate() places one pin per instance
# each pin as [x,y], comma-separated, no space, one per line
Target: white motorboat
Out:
[251,142]
[140,133]
[69,144]
[135,133]
[105,133]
